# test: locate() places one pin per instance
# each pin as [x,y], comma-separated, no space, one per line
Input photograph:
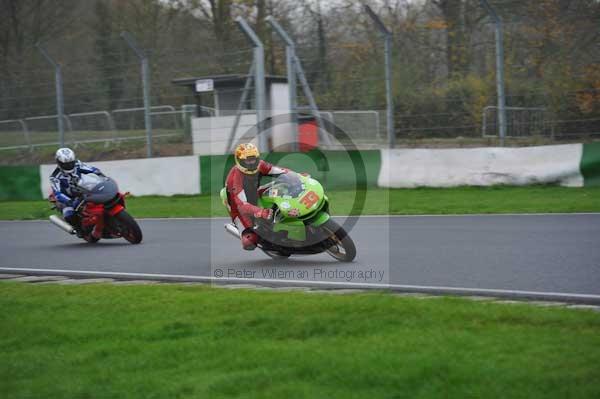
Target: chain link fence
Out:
[437,101]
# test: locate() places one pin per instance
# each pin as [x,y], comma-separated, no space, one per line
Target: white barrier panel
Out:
[481,166]
[152,176]
[210,135]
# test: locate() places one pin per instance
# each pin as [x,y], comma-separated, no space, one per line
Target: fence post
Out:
[146,86]
[60,105]
[388,75]
[259,81]
[484,122]
[298,72]
[26,132]
[238,114]
[290,51]
[499,69]
[311,101]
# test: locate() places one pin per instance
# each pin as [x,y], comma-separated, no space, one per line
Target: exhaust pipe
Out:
[231,229]
[62,224]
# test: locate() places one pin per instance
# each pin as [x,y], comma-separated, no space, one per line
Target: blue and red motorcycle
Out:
[100,212]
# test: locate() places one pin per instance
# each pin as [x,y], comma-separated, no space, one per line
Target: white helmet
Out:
[65,159]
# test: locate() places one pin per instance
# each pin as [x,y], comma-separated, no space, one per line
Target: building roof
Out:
[231,80]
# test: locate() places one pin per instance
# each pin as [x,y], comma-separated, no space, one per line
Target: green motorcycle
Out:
[301,223]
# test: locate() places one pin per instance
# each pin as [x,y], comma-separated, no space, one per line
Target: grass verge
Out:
[103,341]
[461,200]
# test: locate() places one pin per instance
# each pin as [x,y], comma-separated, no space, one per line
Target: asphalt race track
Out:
[558,254]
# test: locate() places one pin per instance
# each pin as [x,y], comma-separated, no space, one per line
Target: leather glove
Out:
[264,213]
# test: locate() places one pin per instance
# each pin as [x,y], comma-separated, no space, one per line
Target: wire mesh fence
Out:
[443,80]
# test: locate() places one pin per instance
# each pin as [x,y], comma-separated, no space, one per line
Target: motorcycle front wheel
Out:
[343,248]
[128,227]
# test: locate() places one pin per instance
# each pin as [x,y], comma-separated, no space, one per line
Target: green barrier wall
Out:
[590,164]
[334,169]
[20,183]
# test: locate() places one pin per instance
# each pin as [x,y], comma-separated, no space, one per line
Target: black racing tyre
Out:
[344,249]
[128,227]
[90,238]
[84,233]
[276,254]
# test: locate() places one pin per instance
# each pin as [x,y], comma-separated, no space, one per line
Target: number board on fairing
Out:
[310,199]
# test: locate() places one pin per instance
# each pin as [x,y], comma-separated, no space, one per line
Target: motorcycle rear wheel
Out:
[86,234]
[276,254]
[90,238]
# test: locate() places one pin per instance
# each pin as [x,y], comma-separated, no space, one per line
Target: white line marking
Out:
[320,283]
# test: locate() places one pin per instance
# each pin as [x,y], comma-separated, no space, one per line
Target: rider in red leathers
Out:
[242,186]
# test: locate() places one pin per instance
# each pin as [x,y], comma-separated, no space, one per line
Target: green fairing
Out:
[298,207]
[298,198]
[295,228]
[320,219]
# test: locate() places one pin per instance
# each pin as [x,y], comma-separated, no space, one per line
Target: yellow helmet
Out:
[247,158]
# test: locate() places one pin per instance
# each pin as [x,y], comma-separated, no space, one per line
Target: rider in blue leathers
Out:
[64,180]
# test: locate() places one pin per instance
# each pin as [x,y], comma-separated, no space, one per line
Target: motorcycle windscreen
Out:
[104,191]
[288,184]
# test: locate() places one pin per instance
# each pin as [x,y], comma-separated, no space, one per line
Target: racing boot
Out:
[71,218]
[249,239]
